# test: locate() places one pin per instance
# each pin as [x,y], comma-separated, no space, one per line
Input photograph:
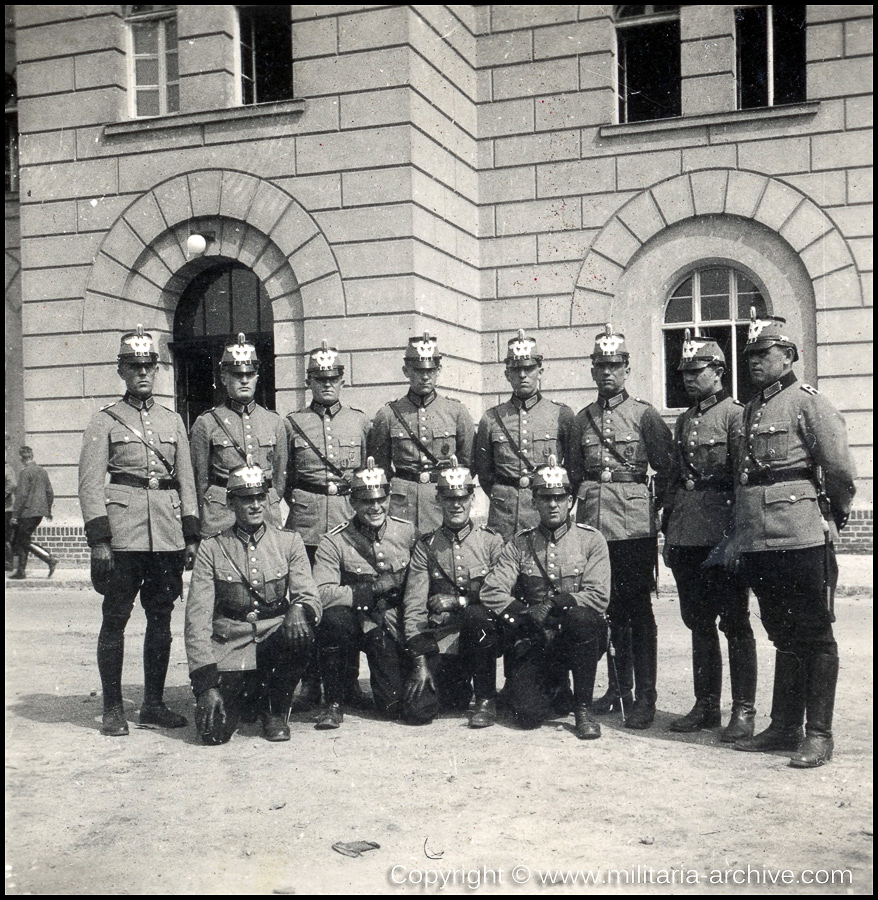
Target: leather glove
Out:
[840,518]
[563,601]
[540,613]
[101,566]
[297,628]
[210,716]
[364,597]
[385,583]
[443,603]
[420,679]
[191,550]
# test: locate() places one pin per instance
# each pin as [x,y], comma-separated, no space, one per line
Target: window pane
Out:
[675,396]
[746,388]
[172,68]
[146,37]
[752,56]
[685,289]
[266,312]
[269,59]
[245,312]
[170,32]
[714,308]
[173,98]
[146,72]
[679,310]
[745,301]
[217,303]
[649,72]
[789,54]
[714,282]
[148,103]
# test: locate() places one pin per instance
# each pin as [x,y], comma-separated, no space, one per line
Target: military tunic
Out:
[446,563]
[317,496]
[258,432]
[219,637]
[130,517]
[612,442]
[444,427]
[539,428]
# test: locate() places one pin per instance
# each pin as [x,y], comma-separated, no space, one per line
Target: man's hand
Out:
[298,629]
[191,550]
[731,555]
[13,521]
[540,613]
[210,716]
[443,603]
[102,560]
[420,679]
[385,583]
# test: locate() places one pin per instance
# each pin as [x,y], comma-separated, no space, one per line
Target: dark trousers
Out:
[791,587]
[159,579]
[23,542]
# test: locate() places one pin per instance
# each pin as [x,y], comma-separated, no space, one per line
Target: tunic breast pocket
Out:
[544,445]
[349,454]
[627,445]
[444,443]
[167,445]
[711,451]
[126,450]
[772,440]
[591,450]
[267,446]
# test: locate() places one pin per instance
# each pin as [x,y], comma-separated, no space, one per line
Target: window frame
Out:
[239,66]
[698,323]
[162,15]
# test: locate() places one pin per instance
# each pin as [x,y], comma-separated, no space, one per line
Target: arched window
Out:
[218,303]
[712,302]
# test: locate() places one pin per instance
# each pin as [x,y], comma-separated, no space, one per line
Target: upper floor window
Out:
[11,135]
[153,65]
[266,53]
[712,302]
[648,39]
[770,49]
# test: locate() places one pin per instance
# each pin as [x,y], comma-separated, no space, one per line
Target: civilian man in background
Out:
[33,502]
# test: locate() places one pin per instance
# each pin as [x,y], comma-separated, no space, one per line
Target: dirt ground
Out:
[156,813]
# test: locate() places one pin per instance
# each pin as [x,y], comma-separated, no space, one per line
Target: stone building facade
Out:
[467,170]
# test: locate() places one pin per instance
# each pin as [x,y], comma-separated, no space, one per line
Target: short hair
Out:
[25,451]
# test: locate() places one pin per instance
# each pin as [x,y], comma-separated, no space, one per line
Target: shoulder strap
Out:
[171,467]
[412,435]
[241,451]
[607,445]
[531,468]
[332,467]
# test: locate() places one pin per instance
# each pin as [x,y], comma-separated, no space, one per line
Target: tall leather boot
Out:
[354,695]
[156,655]
[484,669]
[334,662]
[386,675]
[111,655]
[583,667]
[817,747]
[742,672]
[707,675]
[41,553]
[280,681]
[619,695]
[21,567]
[787,708]
[645,646]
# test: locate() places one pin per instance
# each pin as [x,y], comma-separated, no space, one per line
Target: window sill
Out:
[288,108]
[733,117]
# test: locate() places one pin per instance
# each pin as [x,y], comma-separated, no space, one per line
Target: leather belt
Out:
[265,611]
[771,477]
[417,477]
[524,481]
[616,475]
[222,481]
[725,483]
[332,489]
[150,484]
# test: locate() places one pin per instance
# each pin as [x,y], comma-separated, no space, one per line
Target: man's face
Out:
[240,386]
[525,380]
[766,366]
[371,512]
[455,510]
[139,378]
[249,510]
[610,377]
[422,382]
[325,389]
[702,383]
[25,457]
[553,508]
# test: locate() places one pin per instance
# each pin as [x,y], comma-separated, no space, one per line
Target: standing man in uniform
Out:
[698,512]
[142,527]
[360,570]
[250,617]
[417,435]
[795,488]
[613,441]
[550,588]
[441,603]
[327,443]
[226,435]
[11,483]
[517,437]
[33,501]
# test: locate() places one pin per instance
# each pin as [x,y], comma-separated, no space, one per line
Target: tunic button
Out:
[792,497]
[524,431]
[149,432]
[380,555]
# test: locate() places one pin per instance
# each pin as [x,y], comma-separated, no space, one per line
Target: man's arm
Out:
[594,590]
[420,640]
[93,462]
[328,575]
[496,592]
[466,435]
[200,457]
[186,479]
[303,589]
[483,456]
[659,450]
[198,630]
[22,495]
[279,463]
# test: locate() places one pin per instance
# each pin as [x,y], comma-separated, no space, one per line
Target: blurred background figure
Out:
[33,502]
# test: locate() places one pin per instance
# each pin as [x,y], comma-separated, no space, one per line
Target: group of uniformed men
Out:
[379,553]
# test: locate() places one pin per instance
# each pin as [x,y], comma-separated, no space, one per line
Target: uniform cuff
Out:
[513,615]
[563,601]
[98,531]
[310,612]
[204,679]
[191,529]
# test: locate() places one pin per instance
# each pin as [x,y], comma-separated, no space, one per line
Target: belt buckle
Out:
[152,483]
[524,481]
[424,477]
[606,476]
[744,478]
[332,488]
[690,484]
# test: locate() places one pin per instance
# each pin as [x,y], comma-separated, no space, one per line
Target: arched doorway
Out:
[218,303]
